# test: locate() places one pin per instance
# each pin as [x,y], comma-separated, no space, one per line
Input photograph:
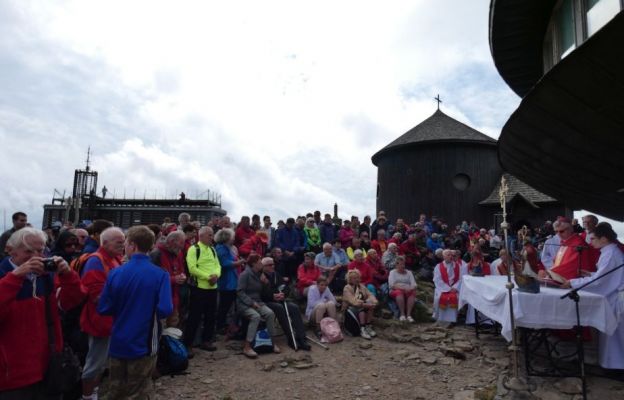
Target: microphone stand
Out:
[574,296]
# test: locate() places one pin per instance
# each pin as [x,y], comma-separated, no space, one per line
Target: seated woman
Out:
[366,272]
[403,289]
[380,244]
[361,302]
[312,236]
[356,244]
[307,274]
[274,294]
[389,257]
[396,238]
[379,286]
[250,305]
[321,302]
[255,244]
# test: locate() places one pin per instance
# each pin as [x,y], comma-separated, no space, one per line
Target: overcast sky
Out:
[276,105]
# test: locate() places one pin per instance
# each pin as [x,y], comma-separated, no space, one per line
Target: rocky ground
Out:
[406,361]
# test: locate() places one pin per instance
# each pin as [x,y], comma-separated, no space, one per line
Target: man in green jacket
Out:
[204,268]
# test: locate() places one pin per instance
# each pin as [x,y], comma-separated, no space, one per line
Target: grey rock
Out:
[464,395]
[569,386]
[429,360]
[304,365]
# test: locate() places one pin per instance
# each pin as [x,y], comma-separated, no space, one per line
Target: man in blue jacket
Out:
[137,295]
[292,244]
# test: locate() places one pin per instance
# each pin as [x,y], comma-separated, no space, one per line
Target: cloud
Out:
[276,106]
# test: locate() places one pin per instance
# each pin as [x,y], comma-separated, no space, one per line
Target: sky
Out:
[276,105]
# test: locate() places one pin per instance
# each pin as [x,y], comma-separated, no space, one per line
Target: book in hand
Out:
[553,280]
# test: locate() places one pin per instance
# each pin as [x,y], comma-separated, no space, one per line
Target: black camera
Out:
[49,264]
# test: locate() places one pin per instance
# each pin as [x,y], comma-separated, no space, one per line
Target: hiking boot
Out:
[370,330]
[364,333]
[410,319]
[208,346]
[249,352]
[304,345]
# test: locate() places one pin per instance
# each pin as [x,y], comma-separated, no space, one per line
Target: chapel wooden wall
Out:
[420,180]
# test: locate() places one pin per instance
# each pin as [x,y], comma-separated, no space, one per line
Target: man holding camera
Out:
[98,327]
[28,304]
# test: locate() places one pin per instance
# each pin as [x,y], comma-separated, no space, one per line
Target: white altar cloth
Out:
[489,295]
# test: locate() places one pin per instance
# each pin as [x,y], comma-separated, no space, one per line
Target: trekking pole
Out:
[317,342]
[292,332]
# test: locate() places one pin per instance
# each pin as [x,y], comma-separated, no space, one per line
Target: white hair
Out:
[175,235]
[370,251]
[205,229]
[391,245]
[358,252]
[447,251]
[108,233]
[327,245]
[184,216]
[18,238]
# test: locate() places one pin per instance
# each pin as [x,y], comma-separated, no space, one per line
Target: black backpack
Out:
[351,323]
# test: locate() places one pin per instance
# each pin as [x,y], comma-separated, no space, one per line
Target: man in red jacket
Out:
[26,290]
[170,257]
[97,326]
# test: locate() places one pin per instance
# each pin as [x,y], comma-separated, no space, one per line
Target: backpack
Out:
[330,330]
[262,343]
[78,264]
[172,356]
[351,323]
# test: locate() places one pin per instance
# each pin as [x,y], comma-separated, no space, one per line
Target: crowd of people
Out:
[95,286]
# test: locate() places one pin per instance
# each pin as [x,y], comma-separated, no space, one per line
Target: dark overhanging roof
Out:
[438,128]
[517,29]
[566,138]
[518,188]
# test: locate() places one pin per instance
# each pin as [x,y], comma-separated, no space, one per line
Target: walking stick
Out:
[317,342]
[292,332]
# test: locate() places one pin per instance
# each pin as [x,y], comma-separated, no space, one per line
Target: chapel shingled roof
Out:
[438,128]
[518,188]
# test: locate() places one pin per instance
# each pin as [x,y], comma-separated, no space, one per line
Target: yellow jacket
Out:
[201,269]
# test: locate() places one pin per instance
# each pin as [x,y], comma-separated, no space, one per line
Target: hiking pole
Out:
[317,342]
[292,332]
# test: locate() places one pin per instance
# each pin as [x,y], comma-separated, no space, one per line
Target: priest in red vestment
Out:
[573,258]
